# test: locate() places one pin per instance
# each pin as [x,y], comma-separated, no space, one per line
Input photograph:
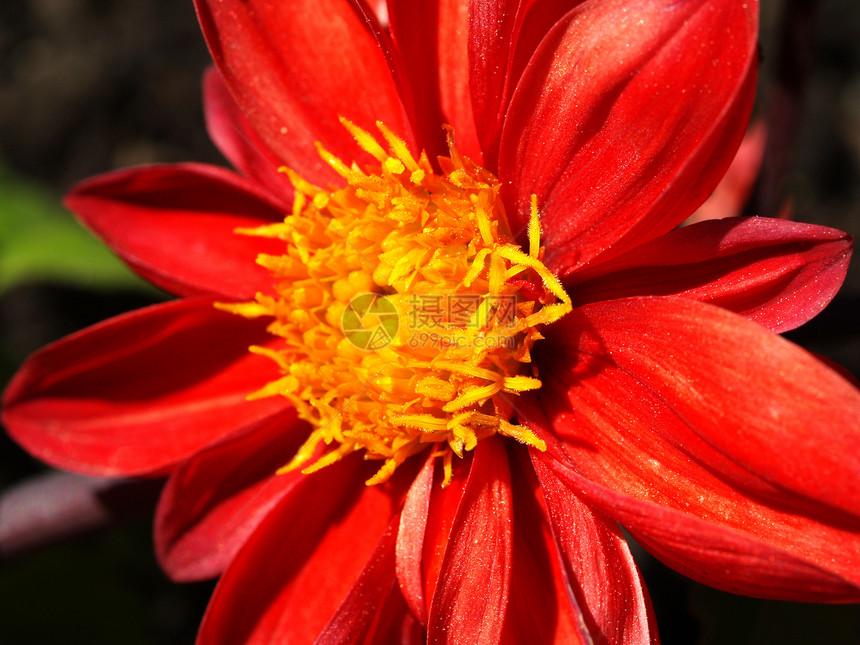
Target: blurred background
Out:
[88,86]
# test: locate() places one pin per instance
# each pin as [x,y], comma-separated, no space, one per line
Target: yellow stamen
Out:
[534,229]
[399,301]
[365,140]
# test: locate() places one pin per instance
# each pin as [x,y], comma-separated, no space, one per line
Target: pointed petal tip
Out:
[135,394]
[176,226]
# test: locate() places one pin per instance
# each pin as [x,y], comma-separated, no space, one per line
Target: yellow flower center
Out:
[407,311]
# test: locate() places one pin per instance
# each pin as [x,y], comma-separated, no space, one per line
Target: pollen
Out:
[403,312]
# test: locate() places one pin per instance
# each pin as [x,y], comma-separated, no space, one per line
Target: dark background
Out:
[92,85]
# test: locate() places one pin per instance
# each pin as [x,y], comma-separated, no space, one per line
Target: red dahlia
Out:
[478,342]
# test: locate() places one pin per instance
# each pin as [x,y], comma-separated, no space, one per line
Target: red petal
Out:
[444,503]
[380,9]
[396,625]
[432,38]
[542,609]
[492,34]
[239,142]
[740,436]
[289,578]
[502,38]
[175,225]
[295,67]
[735,188]
[777,273]
[410,541]
[625,120]
[214,501]
[140,392]
[477,560]
[712,552]
[599,568]
[367,600]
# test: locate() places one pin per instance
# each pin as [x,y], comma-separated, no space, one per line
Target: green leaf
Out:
[40,241]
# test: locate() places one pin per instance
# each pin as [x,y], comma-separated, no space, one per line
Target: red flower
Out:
[736,186]
[663,402]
